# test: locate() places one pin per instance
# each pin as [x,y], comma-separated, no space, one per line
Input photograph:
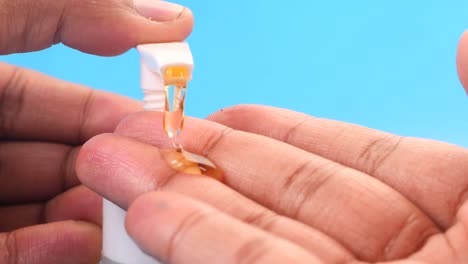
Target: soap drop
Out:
[190,163]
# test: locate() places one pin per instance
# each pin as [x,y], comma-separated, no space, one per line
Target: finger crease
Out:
[292,131]
[322,176]
[60,22]
[188,223]
[84,115]
[159,183]
[6,124]
[65,168]
[2,162]
[163,183]
[304,185]
[42,216]
[252,251]
[299,171]
[211,144]
[263,219]
[454,250]
[181,13]
[410,222]
[462,197]
[378,151]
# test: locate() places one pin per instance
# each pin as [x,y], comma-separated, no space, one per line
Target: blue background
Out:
[388,65]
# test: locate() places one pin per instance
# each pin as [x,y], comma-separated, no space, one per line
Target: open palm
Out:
[298,189]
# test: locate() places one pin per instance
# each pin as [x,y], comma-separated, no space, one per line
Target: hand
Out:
[298,190]
[462,60]
[43,121]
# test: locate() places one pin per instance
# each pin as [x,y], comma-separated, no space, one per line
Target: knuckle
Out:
[87,105]
[12,97]
[67,169]
[264,219]
[301,185]
[292,132]
[214,140]
[374,155]
[25,27]
[253,251]
[190,223]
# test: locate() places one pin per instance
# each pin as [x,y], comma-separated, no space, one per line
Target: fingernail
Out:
[158,10]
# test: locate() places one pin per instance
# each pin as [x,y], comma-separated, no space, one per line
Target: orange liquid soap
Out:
[173,122]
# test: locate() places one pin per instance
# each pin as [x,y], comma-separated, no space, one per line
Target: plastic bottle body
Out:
[118,247]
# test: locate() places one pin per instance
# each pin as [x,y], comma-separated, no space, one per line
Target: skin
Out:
[462,60]
[47,216]
[331,192]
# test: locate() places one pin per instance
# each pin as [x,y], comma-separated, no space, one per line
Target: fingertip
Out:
[230,113]
[188,20]
[462,60]
[124,27]
[152,30]
[144,30]
[91,160]
[118,168]
[178,29]
[88,154]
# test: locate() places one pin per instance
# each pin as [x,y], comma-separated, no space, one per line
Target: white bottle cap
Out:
[155,58]
[118,247]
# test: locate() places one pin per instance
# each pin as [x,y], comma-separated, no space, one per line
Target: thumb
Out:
[104,27]
[462,60]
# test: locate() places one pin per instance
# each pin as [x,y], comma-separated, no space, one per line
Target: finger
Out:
[105,27]
[430,174]
[302,186]
[177,229]
[14,217]
[122,169]
[79,203]
[31,172]
[462,60]
[62,242]
[37,107]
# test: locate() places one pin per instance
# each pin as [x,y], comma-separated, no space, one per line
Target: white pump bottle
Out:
[118,247]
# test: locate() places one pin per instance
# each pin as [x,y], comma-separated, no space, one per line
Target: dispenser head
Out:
[163,64]
[157,58]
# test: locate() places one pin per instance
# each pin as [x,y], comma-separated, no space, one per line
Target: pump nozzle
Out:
[161,65]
